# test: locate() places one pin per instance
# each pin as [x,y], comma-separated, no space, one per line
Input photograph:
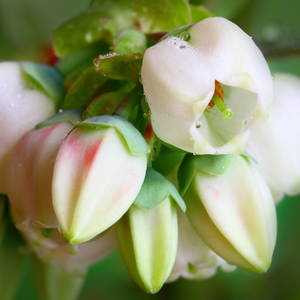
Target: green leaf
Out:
[167,160]
[46,79]
[155,190]
[70,116]
[211,164]
[105,104]
[200,13]
[79,32]
[130,41]
[120,66]
[247,155]
[84,89]
[161,15]
[135,141]
[118,11]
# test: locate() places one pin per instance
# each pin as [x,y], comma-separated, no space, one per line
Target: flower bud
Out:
[29,174]
[275,144]
[208,88]
[22,106]
[148,243]
[98,172]
[194,259]
[234,214]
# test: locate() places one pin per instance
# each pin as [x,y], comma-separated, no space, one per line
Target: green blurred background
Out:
[25,34]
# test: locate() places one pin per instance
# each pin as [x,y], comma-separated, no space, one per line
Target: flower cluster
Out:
[92,159]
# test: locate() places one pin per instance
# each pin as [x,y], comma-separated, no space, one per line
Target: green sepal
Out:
[135,141]
[55,283]
[83,89]
[161,15]
[200,13]
[247,155]
[128,104]
[46,79]
[130,41]
[105,104]
[78,32]
[70,116]
[119,66]
[155,190]
[176,32]
[211,164]
[167,160]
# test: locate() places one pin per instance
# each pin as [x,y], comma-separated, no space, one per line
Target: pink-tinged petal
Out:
[96,179]
[29,174]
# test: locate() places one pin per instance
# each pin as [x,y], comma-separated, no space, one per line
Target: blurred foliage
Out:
[25,33]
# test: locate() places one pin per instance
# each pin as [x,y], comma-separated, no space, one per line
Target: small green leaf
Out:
[130,41]
[192,269]
[161,15]
[46,79]
[135,141]
[105,104]
[70,116]
[200,13]
[247,155]
[119,66]
[84,89]
[79,32]
[118,11]
[167,160]
[155,190]
[211,164]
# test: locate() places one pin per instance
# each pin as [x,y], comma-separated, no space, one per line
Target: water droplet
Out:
[185,36]
[198,124]
[96,62]
[245,122]
[60,111]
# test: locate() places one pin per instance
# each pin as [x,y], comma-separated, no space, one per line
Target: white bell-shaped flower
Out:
[275,145]
[21,107]
[208,89]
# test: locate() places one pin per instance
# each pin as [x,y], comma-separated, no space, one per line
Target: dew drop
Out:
[60,111]
[198,124]
[185,36]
